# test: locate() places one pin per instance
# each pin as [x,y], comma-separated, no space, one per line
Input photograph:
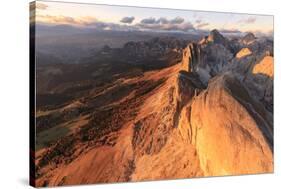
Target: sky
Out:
[108,17]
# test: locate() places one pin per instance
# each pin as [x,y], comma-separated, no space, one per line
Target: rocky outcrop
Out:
[215,57]
[169,152]
[230,131]
[155,47]
[191,57]
[153,128]
[243,52]
[217,38]
[240,141]
[231,135]
[259,81]
[248,38]
[206,60]
[258,46]
[265,67]
[152,131]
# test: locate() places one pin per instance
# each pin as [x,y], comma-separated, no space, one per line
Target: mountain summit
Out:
[216,37]
[248,38]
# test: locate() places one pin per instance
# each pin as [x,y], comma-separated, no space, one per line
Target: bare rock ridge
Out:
[216,37]
[243,52]
[191,57]
[265,66]
[209,57]
[235,143]
[211,114]
[248,38]
[240,141]
[260,81]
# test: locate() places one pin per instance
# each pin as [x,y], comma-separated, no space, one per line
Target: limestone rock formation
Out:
[260,81]
[265,67]
[216,37]
[209,57]
[191,57]
[243,52]
[248,38]
[232,135]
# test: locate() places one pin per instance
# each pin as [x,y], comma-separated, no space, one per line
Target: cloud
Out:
[127,20]
[88,22]
[41,6]
[148,21]
[248,20]
[177,20]
[81,21]
[186,26]
[162,20]
[230,31]
[163,23]
[65,19]
[201,25]
[151,24]
[111,26]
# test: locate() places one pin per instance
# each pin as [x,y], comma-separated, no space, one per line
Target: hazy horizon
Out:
[123,18]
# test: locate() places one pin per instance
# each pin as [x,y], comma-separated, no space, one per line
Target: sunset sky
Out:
[133,18]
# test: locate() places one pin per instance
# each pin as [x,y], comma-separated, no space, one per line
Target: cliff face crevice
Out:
[191,57]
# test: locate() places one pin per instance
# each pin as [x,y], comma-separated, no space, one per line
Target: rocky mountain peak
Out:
[216,37]
[215,31]
[248,38]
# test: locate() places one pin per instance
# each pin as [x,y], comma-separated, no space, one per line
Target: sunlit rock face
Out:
[191,57]
[259,81]
[233,132]
[258,46]
[265,67]
[215,54]
[243,52]
[222,110]
[230,122]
